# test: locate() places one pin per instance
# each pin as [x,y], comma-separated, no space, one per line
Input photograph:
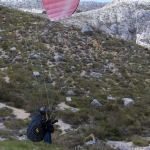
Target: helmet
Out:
[42,110]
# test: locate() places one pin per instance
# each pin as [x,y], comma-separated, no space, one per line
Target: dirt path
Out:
[19,113]
[63,126]
[63,106]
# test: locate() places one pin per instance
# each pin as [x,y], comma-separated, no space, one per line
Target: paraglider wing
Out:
[59,9]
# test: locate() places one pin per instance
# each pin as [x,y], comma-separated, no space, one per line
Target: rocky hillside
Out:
[104,79]
[86,6]
[34,6]
[125,19]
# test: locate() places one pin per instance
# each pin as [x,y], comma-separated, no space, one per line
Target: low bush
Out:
[16,124]
[139,141]
[4,112]
[70,140]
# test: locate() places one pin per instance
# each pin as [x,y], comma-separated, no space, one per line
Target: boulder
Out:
[70,93]
[68,99]
[35,56]
[36,73]
[128,101]
[95,75]
[95,102]
[13,49]
[57,58]
[87,29]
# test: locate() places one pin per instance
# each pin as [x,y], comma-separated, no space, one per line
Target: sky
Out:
[97,0]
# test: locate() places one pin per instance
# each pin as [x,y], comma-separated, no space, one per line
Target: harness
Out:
[40,126]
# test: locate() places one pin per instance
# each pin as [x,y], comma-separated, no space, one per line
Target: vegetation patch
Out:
[16,124]
[4,112]
[139,141]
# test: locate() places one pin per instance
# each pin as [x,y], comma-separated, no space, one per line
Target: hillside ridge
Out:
[104,80]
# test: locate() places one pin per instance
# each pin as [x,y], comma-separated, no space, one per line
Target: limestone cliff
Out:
[126,19]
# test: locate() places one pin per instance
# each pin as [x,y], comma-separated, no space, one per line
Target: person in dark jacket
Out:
[41,127]
[47,124]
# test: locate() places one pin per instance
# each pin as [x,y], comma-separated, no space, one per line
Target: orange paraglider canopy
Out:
[59,9]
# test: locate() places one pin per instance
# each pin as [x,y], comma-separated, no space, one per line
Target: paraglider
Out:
[59,9]
[41,125]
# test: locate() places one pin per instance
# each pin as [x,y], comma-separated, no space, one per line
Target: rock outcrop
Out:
[25,5]
[125,19]
[86,6]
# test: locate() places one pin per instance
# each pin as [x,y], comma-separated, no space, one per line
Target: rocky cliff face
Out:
[86,6]
[125,19]
[25,5]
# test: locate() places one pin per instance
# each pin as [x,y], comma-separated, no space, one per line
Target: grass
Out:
[139,141]
[24,145]
[124,75]
[16,124]
[4,112]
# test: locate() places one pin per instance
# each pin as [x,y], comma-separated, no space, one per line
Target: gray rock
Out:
[25,5]
[95,75]
[86,6]
[70,93]
[106,67]
[2,139]
[6,56]
[22,138]
[147,148]
[1,39]
[128,101]
[13,49]
[103,43]
[57,58]
[87,29]
[35,56]
[2,126]
[73,67]
[68,99]
[111,98]
[36,73]
[119,76]
[19,53]
[107,61]
[95,102]
[18,57]
[132,47]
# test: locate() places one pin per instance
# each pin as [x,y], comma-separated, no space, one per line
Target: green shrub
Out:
[4,112]
[5,133]
[139,141]
[70,140]
[24,145]
[88,138]
[16,124]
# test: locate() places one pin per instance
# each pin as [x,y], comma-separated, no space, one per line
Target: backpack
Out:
[36,129]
